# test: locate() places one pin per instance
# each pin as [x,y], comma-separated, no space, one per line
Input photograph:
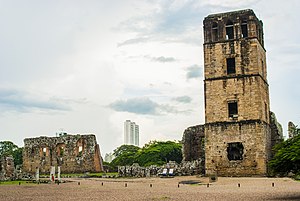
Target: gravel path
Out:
[162,189]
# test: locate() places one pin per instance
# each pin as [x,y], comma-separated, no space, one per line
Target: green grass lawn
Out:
[16,182]
[100,174]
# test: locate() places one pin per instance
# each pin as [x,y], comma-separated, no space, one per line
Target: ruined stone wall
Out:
[7,168]
[193,143]
[276,130]
[293,130]
[74,153]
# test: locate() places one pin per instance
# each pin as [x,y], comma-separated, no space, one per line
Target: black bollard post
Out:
[125,184]
[19,183]
[150,185]
[273,184]
[239,185]
[178,185]
[102,184]
[207,185]
[78,183]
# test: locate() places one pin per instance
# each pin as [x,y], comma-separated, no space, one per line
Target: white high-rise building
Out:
[131,133]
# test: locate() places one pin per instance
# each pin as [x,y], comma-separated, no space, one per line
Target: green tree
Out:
[8,148]
[159,153]
[287,157]
[153,153]
[18,156]
[124,155]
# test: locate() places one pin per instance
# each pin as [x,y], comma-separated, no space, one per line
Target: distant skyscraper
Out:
[131,133]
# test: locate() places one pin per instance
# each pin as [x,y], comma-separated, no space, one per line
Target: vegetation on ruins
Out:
[153,153]
[287,157]
[8,148]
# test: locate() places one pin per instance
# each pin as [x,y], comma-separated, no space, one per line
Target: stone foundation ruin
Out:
[185,168]
[72,153]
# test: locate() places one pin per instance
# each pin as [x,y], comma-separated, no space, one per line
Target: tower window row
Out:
[217,32]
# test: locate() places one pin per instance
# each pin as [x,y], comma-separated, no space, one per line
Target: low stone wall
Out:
[184,168]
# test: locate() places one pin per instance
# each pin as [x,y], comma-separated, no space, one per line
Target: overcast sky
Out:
[87,66]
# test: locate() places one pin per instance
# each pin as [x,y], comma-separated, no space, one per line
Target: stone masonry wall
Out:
[255,138]
[193,143]
[74,153]
[7,168]
[248,85]
[276,130]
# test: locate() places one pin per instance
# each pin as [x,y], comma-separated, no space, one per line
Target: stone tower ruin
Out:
[237,109]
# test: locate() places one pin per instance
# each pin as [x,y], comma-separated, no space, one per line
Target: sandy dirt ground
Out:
[157,189]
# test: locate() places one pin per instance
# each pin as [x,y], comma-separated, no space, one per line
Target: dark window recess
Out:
[244,29]
[214,32]
[229,30]
[235,151]
[230,62]
[233,109]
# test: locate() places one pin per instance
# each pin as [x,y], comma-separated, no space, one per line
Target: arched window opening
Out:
[60,149]
[80,151]
[43,152]
[80,147]
[244,28]
[214,31]
[229,30]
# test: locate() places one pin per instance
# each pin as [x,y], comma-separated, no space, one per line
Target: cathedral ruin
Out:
[72,153]
[239,129]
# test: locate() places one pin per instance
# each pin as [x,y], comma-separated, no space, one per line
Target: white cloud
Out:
[65,63]
[194,71]
[22,101]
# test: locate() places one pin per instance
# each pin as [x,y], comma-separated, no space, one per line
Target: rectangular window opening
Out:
[215,34]
[230,62]
[233,109]
[244,31]
[235,151]
[229,32]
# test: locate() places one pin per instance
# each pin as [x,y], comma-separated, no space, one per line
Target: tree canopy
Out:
[124,155]
[287,157]
[153,153]
[159,153]
[8,148]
